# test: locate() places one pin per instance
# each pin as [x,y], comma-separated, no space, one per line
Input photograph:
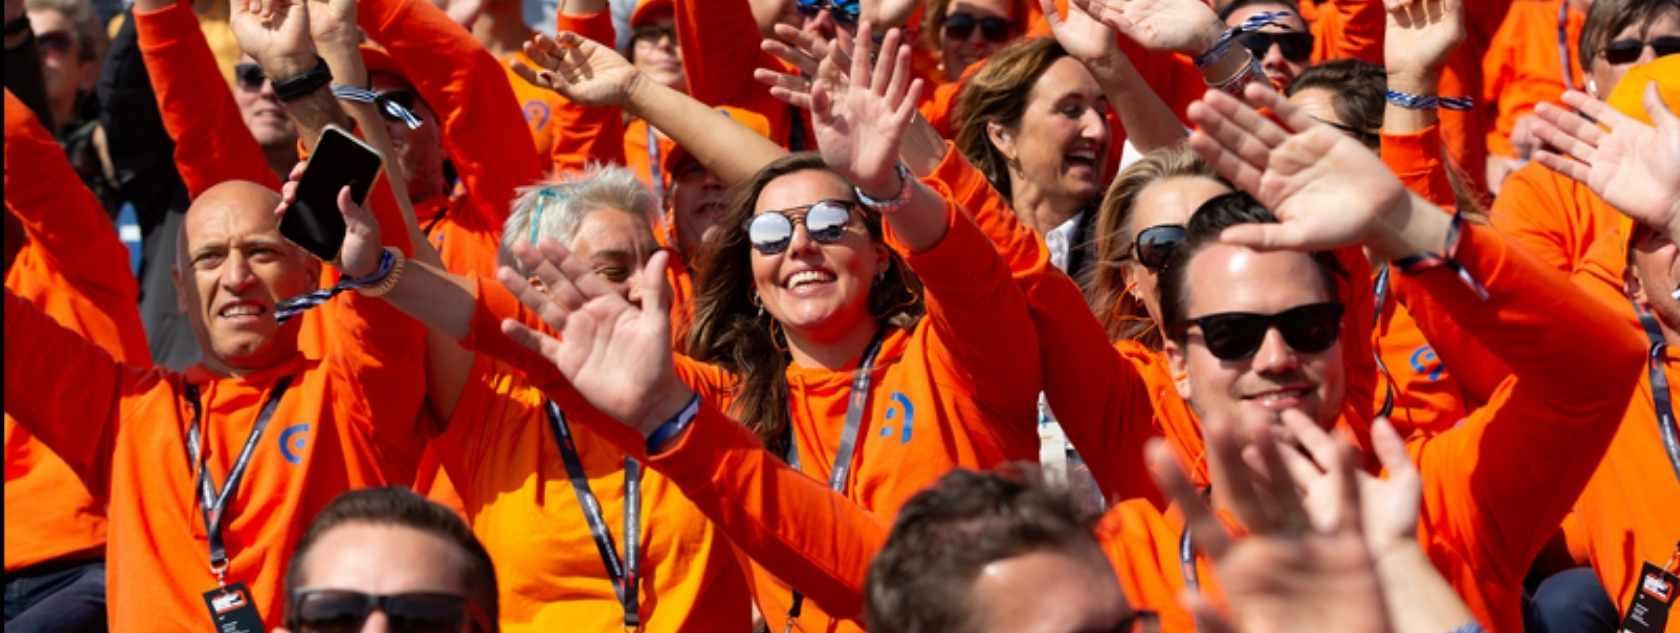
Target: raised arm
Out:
[585,134]
[212,143]
[1148,121]
[1420,35]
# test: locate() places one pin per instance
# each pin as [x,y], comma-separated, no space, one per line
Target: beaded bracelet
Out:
[1430,102]
[1415,264]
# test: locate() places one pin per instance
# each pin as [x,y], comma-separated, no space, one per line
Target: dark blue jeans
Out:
[1570,601]
[56,597]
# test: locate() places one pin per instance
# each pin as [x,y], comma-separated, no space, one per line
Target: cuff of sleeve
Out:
[596,26]
[696,455]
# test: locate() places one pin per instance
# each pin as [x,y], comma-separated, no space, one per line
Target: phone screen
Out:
[313,221]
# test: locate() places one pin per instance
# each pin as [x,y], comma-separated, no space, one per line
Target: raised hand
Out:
[1326,189]
[1420,35]
[579,69]
[332,24]
[276,34]
[1633,166]
[1389,505]
[1185,26]
[360,253]
[617,354]
[1081,35]
[1294,571]
[859,132]
[805,50]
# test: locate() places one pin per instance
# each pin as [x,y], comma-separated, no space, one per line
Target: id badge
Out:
[232,610]
[1651,602]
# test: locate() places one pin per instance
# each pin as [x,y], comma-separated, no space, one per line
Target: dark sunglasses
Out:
[1230,336]
[1627,51]
[654,32]
[960,25]
[343,611]
[844,11]
[1155,245]
[250,76]
[55,41]
[825,221]
[1296,46]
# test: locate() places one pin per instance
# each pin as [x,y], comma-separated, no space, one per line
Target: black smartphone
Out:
[313,221]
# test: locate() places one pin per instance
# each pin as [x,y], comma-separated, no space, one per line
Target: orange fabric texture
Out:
[539,104]
[74,269]
[720,49]
[1346,29]
[1522,67]
[1560,221]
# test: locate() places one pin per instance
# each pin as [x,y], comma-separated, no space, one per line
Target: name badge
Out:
[1655,595]
[232,611]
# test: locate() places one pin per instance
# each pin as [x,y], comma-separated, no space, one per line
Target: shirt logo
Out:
[292,442]
[536,113]
[900,403]
[1425,362]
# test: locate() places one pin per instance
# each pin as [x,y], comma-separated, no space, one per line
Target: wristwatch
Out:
[297,87]
[894,203]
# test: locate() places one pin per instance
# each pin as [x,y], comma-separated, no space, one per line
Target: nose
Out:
[267,89]
[1647,54]
[1275,356]
[376,622]
[801,241]
[1274,57]
[1093,125]
[236,273]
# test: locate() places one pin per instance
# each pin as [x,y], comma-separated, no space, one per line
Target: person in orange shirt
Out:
[73,268]
[957,34]
[1525,65]
[1284,45]
[499,25]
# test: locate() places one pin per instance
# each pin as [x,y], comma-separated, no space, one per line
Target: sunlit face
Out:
[698,201]
[655,52]
[958,54]
[819,292]
[617,244]
[1280,70]
[1655,269]
[264,115]
[1049,591]
[235,269]
[62,69]
[384,559]
[1166,201]
[1224,278]
[420,150]
[1060,144]
[1605,75]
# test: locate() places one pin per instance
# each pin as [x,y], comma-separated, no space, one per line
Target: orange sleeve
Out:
[1531,210]
[585,134]
[212,143]
[483,126]
[1416,158]
[1522,67]
[719,43]
[1347,29]
[1500,483]
[596,26]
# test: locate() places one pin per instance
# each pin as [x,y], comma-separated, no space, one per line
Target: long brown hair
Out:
[998,93]
[1123,315]
[731,330]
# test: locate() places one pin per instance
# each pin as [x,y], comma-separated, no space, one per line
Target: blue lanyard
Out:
[214,504]
[625,573]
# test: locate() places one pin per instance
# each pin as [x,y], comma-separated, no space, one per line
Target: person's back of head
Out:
[390,554]
[1357,94]
[993,551]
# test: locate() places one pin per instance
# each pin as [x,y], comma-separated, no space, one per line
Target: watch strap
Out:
[297,87]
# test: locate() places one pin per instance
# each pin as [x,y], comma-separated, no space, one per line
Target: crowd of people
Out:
[908,316]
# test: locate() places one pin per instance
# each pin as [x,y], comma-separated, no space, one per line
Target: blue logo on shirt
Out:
[902,403]
[292,442]
[536,113]
[1425,362]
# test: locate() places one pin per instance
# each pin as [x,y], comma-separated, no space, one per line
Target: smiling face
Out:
[1279,69]
[819,292]
[958,54]
[1222,278]
[234,266]
[264,115]
[698,202]
[1062,139]
[419,150]
[1166,201]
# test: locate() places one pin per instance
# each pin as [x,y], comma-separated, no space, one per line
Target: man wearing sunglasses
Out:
[1284,47]
[68,39]
[387,560]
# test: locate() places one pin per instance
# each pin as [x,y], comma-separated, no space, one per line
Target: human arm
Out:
[1149,122]
[582,133]
[1419,37]
[1154,29]
[1633,166]
[23,66]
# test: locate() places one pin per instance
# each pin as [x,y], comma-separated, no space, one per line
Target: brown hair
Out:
[1105,286]
[732,331]
[1606,18]
[998,93]
[1359,90]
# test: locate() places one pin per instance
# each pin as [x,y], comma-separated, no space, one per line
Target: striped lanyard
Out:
[625,573]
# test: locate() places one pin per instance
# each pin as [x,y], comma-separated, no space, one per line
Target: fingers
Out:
[860,56]
[1598,110]
[1318,442]
[1205,528]
[1657,109]
[591,285]
[1220,122]
[538,342]
[1263,96]
[907,109]
[1284,498]
[822,106]
[1225,162]
[1390,448]
[653,286]
[805,62]
[882,74]
[530,75]
[1566,130]
[1574,169]
[1230,473]
[1337,460]
[900,79]
[1267,237]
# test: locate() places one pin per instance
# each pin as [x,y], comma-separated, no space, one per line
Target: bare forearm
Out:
[1148,121]
[923,220]
[1419,599]
[922,149]
[729,150]
[1398,120]
[313,113]
[1412,227]
[441,300]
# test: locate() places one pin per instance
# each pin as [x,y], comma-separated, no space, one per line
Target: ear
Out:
[1002,138]
[1178,365]
[1132,288]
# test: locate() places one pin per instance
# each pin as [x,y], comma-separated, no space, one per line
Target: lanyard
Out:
[1661,400]
[1388,378]
[213,504]
[625,573]
[656,174]
[1563,44]
[841,472]
[1187,559]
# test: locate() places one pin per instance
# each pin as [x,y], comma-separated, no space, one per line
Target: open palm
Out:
[1185,26]
[1633,166]
[1081,35]
[579,69]
[275,33]
[859,132]
[1420,35]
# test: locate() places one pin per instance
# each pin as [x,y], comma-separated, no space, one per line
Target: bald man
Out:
[187,551]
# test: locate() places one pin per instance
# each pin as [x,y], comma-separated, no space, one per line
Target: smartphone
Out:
[313,220]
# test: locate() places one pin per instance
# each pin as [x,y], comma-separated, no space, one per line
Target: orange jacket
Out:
[212,143]
[502,457]
[1346,29]
[76,271]
[1522,67]
[1562,222]
[1496,486]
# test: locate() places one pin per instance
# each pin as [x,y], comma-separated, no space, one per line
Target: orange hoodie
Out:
[1486,511]
[76,271]
[1523,67]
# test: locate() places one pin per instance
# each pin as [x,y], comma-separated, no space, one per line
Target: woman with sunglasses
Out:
[965,32]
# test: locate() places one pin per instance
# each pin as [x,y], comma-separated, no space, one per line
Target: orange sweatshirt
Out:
[1346,29]
[939,399]
[1523,66]
[212,143]
[76,271]
[1465,133]
[1561,222]
[720,50]
[539,104]
[1486,511]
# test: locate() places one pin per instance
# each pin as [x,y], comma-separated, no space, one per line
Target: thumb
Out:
[355,216]
[1265,237]
[654,288]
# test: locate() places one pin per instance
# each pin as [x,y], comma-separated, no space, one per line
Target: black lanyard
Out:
[856,401]
[625,573]
[1381,301]
[213,504]
[1563,44]
[1661,400]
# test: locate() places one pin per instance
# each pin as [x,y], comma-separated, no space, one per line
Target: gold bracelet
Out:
[391,278]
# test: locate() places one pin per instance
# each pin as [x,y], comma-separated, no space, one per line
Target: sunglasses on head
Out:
[1295,46]
[250,76]
[1231,336]
[825,221]
[1628,51]
[344,611]
[844,11]
[1155,246]
[55,41]
[960,25]
[403,97]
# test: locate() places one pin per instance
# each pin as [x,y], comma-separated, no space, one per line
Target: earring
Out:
[1592,87]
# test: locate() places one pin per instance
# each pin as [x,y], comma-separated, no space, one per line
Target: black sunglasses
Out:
[250,76]
[343,611]
[1155,245]
[825,221]
[1627,51]
[1295,45]
[960,25]
[1231,336]
[844,11]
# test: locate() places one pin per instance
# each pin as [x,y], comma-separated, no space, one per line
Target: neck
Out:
[63,112]
[833,354]
[501,28]
[1039,210]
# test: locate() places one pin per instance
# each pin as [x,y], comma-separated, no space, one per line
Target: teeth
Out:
[243,309]
[806,276]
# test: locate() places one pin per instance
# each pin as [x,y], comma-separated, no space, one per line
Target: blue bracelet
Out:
[386,261]
[1473,627]
[1253,23]
[673,427]
[1430,102]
